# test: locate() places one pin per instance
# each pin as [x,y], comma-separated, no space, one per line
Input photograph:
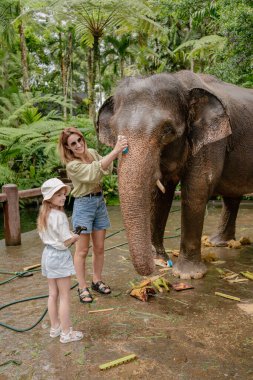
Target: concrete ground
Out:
[188,335]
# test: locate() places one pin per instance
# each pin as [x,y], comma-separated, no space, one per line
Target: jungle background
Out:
[59,60]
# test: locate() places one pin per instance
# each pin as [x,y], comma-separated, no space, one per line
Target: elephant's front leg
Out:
[189,263]
[226,227]
[160,208]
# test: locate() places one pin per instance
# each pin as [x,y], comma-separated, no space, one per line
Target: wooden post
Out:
[12,231]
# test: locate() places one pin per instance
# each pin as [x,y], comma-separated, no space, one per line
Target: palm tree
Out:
[14,16]
[10,71]
[117,49]
[96,18]
[202,51]
[10,65]
[61,43]
[195,24]
[10,21]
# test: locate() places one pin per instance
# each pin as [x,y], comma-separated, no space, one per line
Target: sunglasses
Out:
[74,143]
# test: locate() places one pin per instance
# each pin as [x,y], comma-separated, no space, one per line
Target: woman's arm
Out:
[119,147]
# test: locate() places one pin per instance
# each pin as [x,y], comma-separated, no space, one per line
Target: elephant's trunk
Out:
[138,174]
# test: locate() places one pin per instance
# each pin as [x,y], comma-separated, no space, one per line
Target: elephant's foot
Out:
[220,241]
[186,269]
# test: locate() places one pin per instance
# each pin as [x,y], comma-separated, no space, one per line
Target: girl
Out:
[86,168]
[57,263]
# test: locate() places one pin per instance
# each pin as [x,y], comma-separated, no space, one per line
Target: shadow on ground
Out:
[188,335]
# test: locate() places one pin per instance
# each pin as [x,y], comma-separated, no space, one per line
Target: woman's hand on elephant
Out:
[121,144]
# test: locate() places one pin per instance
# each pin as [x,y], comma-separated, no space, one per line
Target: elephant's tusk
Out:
[160,185]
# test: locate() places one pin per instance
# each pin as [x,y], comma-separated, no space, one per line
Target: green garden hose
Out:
[25,300]
[19,301]
[17,274]
[28,273]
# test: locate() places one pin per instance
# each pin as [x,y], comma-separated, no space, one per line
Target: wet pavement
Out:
[188,335]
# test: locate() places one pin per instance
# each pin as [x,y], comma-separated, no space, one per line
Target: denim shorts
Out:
[90,212]
[56,263]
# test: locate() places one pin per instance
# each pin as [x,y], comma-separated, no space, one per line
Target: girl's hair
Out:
[66,154]
[44,212]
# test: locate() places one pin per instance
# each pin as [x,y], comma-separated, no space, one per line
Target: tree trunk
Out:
[192,64]
[24,63]
[71,86]
[90,83]
[93,58]
[191,59]
[121,68]
[63,70]
[65,64]
[67,69]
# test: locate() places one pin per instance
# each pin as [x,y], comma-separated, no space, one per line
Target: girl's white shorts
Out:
[56,263]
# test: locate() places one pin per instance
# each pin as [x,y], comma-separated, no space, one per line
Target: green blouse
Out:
[86,177]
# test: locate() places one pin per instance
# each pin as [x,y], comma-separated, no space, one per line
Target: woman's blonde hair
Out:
[44,212]
[66,154]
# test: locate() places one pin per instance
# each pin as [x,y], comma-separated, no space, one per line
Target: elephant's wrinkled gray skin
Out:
[180,127]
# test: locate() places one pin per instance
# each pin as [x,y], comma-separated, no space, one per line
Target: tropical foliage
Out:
[59,60]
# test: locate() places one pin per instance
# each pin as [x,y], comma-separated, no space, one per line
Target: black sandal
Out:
[100,287]
[84,295]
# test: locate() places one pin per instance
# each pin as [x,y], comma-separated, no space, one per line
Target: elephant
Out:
[181,127]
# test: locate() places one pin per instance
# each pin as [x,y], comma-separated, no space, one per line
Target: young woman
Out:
[85,168]
[57,264]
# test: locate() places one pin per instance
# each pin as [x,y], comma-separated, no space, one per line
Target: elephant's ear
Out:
[208,120]
[105,133]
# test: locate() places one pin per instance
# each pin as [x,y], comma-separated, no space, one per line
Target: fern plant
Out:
[30,151]
[110,186]
[14,110]
[28,139]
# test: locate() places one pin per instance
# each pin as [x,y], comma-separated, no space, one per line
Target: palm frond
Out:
[212,41]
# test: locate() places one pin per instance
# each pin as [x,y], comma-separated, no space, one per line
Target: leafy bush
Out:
[110,188]
[28,140]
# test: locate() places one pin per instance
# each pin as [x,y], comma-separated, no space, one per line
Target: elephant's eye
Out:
[168,128]
[168,132]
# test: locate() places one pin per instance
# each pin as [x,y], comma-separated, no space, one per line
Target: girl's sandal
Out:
[84,295]
[71,336]
[100,287]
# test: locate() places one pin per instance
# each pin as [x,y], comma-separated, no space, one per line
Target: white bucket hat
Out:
[51,186]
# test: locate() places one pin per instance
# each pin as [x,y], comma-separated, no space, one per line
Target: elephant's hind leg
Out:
[226,227]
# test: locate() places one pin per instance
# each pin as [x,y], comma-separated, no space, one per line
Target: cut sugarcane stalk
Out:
[247,274]
[117,362]
[227,296]
[100,310]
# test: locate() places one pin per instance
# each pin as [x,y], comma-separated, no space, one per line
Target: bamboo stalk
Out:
[227,296]
[247,274]
[117,362]
[100,310]
[32,267]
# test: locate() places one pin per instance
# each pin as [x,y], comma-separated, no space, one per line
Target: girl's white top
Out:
[57,230]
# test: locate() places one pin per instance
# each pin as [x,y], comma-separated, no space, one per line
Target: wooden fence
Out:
[10,198]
